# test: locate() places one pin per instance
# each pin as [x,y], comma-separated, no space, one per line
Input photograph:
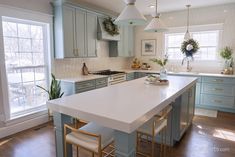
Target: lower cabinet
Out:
[182,114]
[70,88]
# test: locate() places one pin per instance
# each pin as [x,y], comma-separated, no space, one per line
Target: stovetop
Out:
[107,72]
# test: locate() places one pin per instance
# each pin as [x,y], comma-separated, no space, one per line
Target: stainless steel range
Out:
[114,77]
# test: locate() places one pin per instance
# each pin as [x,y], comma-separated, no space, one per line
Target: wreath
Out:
[110,27]
[189,47]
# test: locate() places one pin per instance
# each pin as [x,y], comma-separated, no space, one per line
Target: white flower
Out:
[189,47]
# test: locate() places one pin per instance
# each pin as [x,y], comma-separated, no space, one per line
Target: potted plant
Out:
[54,91]
[226,54]
[162,63]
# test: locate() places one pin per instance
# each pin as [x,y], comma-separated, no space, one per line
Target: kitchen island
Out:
[125,107]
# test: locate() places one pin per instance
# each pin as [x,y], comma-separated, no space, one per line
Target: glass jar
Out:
[163,73]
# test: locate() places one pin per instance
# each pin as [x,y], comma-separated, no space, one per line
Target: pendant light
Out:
[156,25]
[187,34]
[130,15]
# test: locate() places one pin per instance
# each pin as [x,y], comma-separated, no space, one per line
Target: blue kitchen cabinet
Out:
[130,76]
[75,31]
[218,93]
[70,88]
[124,47]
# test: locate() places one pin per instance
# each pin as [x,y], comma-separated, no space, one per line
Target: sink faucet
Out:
[189,68]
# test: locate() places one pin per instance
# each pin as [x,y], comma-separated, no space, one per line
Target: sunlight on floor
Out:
[4,142]
[224,134]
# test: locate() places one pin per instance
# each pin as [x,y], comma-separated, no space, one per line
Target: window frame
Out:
[196,28]
[26,15]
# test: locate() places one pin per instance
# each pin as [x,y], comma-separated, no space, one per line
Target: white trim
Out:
[21,126]
[196,28]
[25,10]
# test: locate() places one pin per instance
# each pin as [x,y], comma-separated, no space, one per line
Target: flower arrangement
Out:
[226,54]
[110,27]
[189,47]
[161,62]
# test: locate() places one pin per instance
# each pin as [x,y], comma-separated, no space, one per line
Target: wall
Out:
[202,16]
[42,6]
[73,67]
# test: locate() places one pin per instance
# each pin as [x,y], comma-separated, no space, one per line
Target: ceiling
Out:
[163,5]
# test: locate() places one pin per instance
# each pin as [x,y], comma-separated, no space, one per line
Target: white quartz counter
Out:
[181,73]
[83,78]
[124,106]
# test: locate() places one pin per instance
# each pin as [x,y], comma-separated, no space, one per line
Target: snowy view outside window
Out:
[26,66]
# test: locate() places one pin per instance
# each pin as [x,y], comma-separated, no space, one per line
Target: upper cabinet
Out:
[124,47]
[75,32]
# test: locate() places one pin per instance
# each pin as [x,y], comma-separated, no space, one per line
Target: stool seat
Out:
[147,128]
[89,142]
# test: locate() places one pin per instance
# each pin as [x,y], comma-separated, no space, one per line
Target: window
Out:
[208,41]
[25,50]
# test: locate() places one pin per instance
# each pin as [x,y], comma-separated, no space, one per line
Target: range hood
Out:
[103,35]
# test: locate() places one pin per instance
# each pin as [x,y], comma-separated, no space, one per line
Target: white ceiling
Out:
[163,5]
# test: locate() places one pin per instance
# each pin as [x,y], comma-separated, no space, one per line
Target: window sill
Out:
[26,116]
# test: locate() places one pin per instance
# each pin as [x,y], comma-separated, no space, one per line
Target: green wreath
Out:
[189,47]
[110,27]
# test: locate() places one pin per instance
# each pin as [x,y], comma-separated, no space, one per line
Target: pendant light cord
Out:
[188,18]
[156,8]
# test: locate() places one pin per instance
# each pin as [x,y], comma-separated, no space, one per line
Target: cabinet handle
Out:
[217,101]
[77,51]
[74,52]
[218,80]
[218,89]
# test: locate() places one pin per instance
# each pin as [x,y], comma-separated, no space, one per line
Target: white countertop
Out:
[83,78]
[125,106]
[181,73]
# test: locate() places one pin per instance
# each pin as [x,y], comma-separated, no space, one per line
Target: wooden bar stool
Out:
[91,137]
[155,126]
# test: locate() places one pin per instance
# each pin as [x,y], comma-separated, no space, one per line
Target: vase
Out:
[163,73]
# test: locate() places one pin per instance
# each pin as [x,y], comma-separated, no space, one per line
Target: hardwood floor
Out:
[207,137]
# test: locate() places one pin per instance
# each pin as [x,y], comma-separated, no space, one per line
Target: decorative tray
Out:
[157,82]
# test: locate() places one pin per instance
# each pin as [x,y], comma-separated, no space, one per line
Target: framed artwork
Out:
[148,47]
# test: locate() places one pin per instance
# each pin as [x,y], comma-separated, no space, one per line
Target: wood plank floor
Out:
[207,137]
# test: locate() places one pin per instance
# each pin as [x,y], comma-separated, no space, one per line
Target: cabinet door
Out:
[191,106]
[80,32]
[69,31]
[130,41]
[91,26]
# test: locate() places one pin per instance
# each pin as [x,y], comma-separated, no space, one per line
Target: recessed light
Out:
[225,11]
[152,6]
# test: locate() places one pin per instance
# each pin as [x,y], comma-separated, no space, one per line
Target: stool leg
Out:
[153,143]
[77,151]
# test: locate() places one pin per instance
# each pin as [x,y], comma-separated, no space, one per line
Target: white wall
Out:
[201,16]
[35,5]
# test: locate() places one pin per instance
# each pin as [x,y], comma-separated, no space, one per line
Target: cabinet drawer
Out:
[103,82]
[218,80]
[85,85]
[218,89]
[218,101]
[130,76]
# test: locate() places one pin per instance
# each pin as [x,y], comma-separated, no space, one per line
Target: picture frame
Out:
[148,47]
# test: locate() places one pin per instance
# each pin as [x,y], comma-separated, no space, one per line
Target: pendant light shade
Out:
[156,24]
[130,15]
[187,34]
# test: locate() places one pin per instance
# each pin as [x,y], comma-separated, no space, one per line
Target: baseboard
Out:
[13,129]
